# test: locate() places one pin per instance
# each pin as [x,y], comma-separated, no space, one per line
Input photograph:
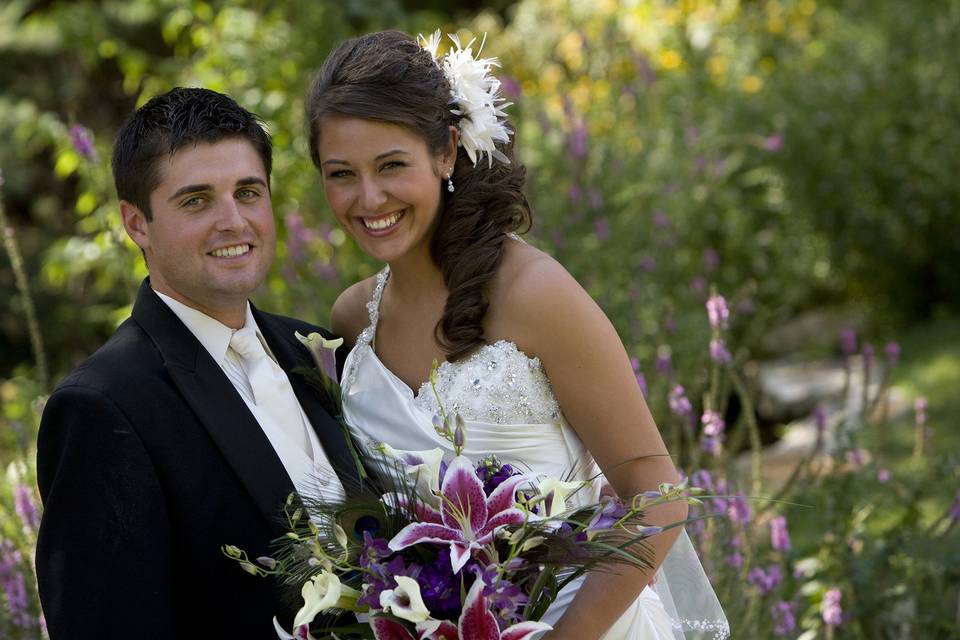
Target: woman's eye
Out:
[393,164]
[339,173]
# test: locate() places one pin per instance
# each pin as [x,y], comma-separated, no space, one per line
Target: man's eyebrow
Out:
[190,188]
[383,155]
[243,182]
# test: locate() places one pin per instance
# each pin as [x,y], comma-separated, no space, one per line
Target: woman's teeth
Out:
[378,224]
[231,252]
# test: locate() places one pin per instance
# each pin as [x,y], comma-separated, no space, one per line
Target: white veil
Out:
[688,596]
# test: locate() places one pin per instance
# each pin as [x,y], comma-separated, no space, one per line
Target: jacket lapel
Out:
[291,355]
[221,410]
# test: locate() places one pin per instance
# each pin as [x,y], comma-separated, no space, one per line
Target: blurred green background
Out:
[800,157]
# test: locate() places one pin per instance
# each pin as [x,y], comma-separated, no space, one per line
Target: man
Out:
[183,432]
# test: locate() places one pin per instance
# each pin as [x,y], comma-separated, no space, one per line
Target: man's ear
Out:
[135,224]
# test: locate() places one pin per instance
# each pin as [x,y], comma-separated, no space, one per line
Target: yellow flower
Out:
[670,59]
[751,84]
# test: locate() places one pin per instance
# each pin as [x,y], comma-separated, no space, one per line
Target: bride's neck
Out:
[415,278]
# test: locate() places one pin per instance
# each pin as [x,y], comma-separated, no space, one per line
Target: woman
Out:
[416,162]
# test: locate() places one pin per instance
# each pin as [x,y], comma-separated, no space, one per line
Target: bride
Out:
[417,165]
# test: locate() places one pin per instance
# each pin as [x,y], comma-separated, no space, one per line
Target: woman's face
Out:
[383,184]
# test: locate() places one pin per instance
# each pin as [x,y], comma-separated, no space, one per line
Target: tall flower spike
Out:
[475,90]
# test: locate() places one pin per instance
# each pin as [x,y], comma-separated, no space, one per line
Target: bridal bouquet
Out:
[448,550]
[453,551]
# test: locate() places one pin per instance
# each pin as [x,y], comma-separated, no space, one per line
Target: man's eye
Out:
[247,194]
[193,202]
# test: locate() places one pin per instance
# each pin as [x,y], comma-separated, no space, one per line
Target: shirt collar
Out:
[212,334]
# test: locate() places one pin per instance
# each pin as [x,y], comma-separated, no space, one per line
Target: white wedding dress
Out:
[509,409]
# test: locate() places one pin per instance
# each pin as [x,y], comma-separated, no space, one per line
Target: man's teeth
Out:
[381,223]
[231,252]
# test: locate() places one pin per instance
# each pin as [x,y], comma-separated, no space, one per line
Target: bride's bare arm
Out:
[590,372]
[349,314]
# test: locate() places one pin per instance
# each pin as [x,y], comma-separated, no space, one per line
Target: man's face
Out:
[212,238]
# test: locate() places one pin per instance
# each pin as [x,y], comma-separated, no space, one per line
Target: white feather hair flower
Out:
[475,90]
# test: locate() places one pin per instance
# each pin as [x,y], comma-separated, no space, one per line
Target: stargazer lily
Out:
[476,623]
[468,518]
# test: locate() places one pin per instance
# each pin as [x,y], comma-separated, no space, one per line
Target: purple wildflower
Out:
[954,512]
[679,403]
[26,507]
[719,352]
[920,411]
[784,618]
[830,608]
[765,581]
[773,143]
[820,417]
[893,353]
[510,87]
[739,509]
[883,476]
[298,236]
[2,179]
[868,354]
[848,342]
[779,537]
[661,220]
[857,457]
[14,586]
[575,193]
[717,312]
[664,361]
[602,229]
[711,259]
[577,143]
[735,560]
[670,324]
[698,285]
[82,139]
[702,480]
[713,427]
[595,197]
[648,263]
[641,380]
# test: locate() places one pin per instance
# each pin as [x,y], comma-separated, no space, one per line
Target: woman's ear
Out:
[450,155]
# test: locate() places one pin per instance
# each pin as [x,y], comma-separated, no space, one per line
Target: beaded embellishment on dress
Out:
[497,383]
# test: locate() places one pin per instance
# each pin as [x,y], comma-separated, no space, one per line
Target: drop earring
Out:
[450,183]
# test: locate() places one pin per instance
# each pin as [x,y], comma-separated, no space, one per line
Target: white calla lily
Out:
[561,490]
[424,467]
[405,600]
[322,592]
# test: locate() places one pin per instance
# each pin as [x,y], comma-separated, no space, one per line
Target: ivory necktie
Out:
[271,389]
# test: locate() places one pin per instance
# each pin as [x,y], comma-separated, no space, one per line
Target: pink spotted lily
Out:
[467,519]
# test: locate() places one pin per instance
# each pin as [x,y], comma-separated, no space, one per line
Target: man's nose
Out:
[230,216]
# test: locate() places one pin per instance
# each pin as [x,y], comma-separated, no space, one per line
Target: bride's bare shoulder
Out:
[349,315]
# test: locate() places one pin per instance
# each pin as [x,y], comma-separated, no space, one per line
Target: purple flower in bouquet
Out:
[830,608]
[468,518]
[893,353]
[765,581]
[611,510]
[848,342]
[439,587]
[505,599]
[779,537]
[492,479]
[784,618]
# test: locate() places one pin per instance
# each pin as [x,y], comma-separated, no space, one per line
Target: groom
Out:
[183,432]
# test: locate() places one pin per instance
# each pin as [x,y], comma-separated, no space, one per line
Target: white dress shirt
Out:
[309,469]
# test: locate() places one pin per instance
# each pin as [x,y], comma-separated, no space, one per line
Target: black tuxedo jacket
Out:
[148,462]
